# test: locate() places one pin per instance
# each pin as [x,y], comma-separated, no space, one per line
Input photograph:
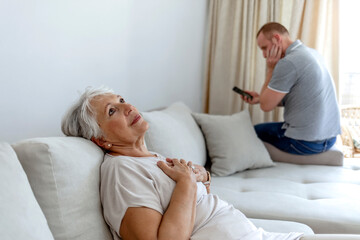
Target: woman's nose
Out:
[127,109]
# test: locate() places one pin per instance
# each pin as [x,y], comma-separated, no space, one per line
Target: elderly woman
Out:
[145,195]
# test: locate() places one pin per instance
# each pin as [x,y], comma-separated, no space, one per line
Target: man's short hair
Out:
[272,27]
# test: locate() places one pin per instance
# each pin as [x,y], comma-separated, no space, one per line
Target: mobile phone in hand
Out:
[241,92]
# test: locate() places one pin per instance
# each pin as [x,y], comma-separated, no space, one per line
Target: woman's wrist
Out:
[207,179]
[207,182]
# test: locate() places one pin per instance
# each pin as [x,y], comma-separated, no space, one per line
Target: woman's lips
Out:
[136,119]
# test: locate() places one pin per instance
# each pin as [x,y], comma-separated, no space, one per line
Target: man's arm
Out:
[269,99]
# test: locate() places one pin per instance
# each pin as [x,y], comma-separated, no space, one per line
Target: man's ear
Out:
[276,38]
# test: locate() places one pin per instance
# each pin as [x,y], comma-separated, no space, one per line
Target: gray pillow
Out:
[232,143]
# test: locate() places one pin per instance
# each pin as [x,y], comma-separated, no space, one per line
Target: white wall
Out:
[149,51]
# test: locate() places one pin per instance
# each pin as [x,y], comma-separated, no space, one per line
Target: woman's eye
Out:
[122,100]
[111,111]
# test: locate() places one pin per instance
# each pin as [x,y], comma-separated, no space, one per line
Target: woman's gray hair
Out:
[80,119]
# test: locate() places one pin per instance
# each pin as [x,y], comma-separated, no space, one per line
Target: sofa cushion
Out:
[21,215]
[232,143]
[64,175]
[332,157]
[331,237]
[174,133]
[326,198]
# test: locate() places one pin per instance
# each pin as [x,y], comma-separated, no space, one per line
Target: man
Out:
[296,78]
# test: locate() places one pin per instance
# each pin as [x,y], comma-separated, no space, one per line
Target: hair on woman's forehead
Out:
[104,98]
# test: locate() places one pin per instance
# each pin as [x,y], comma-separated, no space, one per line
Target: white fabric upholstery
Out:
[326,198]
[174,133]
[232,143]
[64,173]
[332,157]
[331,237]
[21,216]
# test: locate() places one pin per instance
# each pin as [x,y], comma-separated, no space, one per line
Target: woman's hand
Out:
[199,171]
[178,170]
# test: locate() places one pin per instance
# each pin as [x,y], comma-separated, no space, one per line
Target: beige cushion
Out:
[21,216]
[174,133]
[64,174]
[332,157]
[232,143]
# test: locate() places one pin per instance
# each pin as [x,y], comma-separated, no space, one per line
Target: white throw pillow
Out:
[64,173]
[232,143]
[21,215]
[174,133]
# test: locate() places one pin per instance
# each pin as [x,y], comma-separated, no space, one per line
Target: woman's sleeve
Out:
[125,185]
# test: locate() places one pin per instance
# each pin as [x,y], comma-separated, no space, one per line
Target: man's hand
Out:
[273,54]
[254,100]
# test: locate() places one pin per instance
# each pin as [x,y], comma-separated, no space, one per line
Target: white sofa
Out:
[50,186]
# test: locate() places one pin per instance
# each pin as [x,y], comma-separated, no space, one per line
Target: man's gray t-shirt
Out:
[311,111]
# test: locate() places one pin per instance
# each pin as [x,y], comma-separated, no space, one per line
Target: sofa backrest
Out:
[64,174]
[21,216]
[174,133]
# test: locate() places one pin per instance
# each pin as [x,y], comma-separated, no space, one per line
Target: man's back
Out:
[311,110]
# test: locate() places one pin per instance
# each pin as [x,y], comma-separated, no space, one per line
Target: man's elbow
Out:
[266,107]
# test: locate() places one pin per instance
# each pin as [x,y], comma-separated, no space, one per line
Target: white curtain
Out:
[233,57]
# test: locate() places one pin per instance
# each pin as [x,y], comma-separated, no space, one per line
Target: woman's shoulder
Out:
[126,163]
[111,160]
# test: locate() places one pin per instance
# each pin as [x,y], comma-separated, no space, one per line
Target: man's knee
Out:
[258,129]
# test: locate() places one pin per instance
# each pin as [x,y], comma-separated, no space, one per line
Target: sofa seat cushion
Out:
[21,215]
[332,157]
[326,198]
[64,173]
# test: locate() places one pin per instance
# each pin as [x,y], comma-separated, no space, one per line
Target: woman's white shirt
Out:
[139,182]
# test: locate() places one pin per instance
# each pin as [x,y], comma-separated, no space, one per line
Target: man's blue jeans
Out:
[273,134]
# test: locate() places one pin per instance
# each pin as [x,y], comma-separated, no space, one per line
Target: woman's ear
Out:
[100,142]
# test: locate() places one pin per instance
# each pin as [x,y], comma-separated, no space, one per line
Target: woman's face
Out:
[120,122]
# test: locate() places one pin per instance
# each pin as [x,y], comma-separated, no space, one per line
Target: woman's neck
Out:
[137,149]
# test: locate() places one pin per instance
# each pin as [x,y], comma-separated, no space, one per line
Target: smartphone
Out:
[241,92]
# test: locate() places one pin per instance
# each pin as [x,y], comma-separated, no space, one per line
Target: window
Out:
[349,53]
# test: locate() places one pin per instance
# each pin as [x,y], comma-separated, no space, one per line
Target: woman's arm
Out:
[178,220]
